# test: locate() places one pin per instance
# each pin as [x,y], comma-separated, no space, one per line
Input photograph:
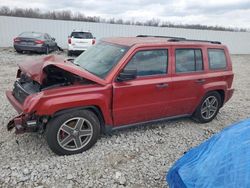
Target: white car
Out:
[79,41]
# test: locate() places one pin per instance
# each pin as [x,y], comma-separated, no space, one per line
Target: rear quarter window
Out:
[217,59]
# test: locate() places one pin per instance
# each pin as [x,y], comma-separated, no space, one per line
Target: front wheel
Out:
[208,108]
[73,133]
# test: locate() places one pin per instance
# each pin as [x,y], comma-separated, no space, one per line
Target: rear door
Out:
[188,78]
[81,39]
[50,41]
[146,97]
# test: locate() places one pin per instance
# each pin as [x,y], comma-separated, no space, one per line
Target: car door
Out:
[188,78]
[47,41]
[146,97]
[51,43]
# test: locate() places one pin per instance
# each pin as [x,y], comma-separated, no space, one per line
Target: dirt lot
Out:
[139,157]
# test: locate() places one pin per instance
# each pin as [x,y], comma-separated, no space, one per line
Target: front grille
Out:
[19,93]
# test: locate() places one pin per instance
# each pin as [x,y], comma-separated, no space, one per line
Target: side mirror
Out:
[53,39]
[127,74]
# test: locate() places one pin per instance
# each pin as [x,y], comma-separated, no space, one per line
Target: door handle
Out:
[200,81]
[162,85]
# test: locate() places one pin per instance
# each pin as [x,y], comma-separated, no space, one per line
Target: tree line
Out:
[77,16]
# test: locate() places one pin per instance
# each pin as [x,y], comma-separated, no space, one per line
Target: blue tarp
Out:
[221,161]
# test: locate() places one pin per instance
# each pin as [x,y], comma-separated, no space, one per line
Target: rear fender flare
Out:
[215,86]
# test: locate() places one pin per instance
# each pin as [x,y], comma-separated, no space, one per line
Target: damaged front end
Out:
[33,80]
[26,123]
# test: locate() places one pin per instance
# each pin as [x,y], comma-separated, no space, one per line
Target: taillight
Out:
[93,41]
[16,39]
[69,40]
[39,41]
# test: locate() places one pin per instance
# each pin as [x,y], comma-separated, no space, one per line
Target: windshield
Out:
[101,58]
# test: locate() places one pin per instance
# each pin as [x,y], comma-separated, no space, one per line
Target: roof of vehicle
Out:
[80,31]
[130,41]
[31,34]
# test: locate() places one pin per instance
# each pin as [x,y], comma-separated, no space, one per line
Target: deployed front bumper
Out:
[23,122]
[14,102]
[18,123]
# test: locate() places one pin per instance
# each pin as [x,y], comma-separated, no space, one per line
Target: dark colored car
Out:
[35,42]
[117,83]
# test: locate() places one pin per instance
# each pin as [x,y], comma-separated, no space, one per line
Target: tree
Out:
[67,15]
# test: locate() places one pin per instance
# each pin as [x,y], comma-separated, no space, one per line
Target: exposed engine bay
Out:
[53,77]
[56,76]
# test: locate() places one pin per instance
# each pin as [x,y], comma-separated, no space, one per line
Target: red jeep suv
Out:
[118,83]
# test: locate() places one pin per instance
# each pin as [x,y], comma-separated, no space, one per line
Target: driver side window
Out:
[149,62]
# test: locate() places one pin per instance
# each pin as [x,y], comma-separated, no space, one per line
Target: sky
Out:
[227,13]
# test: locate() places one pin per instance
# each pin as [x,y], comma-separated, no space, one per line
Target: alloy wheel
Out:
[209,107]
[74,134]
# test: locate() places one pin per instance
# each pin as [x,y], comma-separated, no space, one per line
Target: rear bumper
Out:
[22,123]
[29,48]
[75,48]
[229,94]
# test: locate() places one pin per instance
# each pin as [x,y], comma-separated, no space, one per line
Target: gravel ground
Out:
[138,157]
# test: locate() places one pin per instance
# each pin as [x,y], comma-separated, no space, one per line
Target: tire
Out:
[208,108]
[69,53]
[63,133]
[19,51]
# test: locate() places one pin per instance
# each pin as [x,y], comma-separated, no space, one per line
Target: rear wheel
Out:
[19,51]
[73,133]
[208,108]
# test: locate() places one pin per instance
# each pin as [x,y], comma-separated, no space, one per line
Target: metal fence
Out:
[10,27]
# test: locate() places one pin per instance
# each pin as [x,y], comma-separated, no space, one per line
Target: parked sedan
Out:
[35,42]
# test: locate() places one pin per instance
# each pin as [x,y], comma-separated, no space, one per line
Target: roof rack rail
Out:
[178,39]
[169,37]
[194,40]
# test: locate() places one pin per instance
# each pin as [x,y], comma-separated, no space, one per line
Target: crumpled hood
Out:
[34,68]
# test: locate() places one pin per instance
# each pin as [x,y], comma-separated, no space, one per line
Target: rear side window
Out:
[47,36]
[81,35]
[217,59]
[188,60]
[149,62]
